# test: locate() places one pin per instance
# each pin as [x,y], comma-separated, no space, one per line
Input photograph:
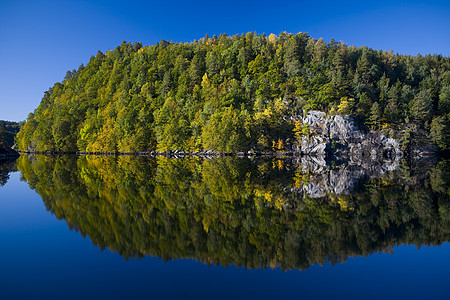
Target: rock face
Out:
[339,157]
[340,136]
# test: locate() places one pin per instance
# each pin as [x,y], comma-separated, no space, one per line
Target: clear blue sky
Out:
[41,40]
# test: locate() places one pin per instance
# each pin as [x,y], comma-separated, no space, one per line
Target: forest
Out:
[8,130]
[231,211]
[236,93]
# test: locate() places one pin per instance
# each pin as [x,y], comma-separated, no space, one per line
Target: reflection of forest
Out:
[236,211]
[6,166]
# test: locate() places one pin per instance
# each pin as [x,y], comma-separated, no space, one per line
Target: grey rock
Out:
[344,178]
[340,136]
[313,164]
[313,146]
[343,128]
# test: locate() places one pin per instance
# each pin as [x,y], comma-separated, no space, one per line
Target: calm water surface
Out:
[127,227]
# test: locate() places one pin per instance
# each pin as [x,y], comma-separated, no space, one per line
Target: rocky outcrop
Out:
[340,136]
[339,157]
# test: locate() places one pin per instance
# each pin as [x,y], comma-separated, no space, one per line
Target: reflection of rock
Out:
[336,181]
[339,136]
[313,164]
[339,181]
[313,145]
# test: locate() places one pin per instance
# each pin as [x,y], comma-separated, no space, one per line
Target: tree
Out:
[392,110]
[364,78]
[293,55]
[320,51]
[62,134]
[421,106]
[272,38]
[212,64]
[375,115]
[363,106]
[444,100]
[196,69]
[339,70]
[171,127]
[3,137]
[440,132]
[346,106]
[225,131]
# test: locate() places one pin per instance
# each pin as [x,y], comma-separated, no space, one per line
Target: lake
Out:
[115,227]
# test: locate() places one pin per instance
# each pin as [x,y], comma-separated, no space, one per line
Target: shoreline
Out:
[170,153]
[6,153]
[212,154]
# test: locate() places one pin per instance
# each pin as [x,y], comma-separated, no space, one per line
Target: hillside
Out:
[8,131]
[236,93]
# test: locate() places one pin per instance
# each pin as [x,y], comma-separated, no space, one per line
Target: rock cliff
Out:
[340,136]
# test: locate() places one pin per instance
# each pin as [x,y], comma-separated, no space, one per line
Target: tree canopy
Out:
[232,93]
[7,132]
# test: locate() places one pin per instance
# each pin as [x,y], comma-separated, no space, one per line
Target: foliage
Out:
[440,132]
[8,130]
[3,138]
[176,95]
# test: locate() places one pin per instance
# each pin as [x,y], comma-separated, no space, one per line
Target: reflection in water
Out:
[6,166]
[241,212]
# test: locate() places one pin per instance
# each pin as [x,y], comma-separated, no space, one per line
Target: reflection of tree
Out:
[6,166]
[235,211]
[4,176]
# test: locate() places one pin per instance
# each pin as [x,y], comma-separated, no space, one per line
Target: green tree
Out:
[440,132]
[421,106]
[375,115]
[392,110]
[212,64]
[226,131]
[61,132]
[3,137]
[293,54]
[444,100]
[171,127]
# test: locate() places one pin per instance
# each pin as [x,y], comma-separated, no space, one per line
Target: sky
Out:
[41,40]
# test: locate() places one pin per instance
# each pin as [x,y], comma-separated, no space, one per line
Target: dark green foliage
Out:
[421,106]
[8,130]
[440,131]
[444,100]
[3,137]
[375,115]
[163,97]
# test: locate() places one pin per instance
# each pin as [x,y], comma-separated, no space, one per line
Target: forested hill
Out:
[7,132]
[234,93]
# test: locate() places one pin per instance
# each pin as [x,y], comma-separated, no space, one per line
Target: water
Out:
[127,227]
